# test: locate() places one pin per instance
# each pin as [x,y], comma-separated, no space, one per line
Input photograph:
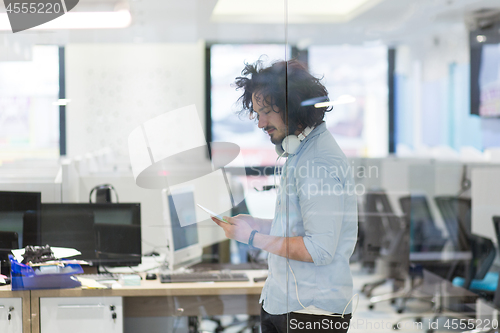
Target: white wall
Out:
[32,176]
[485,194]
[424,107]
[115,87]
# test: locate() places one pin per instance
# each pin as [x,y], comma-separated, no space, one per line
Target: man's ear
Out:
[300,129]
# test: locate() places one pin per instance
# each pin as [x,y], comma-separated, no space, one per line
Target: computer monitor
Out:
[184,246]
[72,228]
[20,213]
[118,245]
[106,234]
[8,241]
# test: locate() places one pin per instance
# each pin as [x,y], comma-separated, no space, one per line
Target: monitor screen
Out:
[489,81]
[183,209]
[179,209]
[106,234]
[20,213]
[72,228]
[485,71]
[118,245]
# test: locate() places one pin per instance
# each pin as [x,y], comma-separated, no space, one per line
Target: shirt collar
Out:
[315,132]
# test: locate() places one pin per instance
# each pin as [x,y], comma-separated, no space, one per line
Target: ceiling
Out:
[173,21]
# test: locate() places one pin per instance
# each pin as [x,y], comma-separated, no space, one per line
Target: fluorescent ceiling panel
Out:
[299,11]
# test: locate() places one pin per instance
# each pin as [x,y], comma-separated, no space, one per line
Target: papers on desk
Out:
[60,263]
[53,266]
[91,283]
[59,253]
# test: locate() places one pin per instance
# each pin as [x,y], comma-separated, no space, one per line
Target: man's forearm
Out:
[288,247]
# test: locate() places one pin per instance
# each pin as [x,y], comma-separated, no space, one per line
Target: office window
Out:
[29,118]
[227,61]
[356,79]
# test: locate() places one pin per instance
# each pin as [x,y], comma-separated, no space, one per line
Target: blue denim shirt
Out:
[317,201]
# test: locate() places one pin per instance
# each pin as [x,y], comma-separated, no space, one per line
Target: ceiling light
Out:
[481,38]
[80,20]
[343,99]
[62,102]
[299,11]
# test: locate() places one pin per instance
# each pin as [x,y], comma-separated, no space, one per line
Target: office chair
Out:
[491,281]
[396,242]
[392,234]
[496,298]
[103,193]
[371,235]
[423,236]
[456,215]
[478,279]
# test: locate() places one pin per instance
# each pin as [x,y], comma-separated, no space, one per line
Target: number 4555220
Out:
[471,324]
[33,8]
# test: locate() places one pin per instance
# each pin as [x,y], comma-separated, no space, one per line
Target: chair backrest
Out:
[483,255]
[456,213]
[424,235]
[496,225]
[387,230]
[373,226]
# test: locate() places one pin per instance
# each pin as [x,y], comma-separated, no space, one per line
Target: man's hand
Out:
[252,221]
[239,229]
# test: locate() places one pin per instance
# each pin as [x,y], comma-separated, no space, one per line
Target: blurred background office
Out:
[415,90]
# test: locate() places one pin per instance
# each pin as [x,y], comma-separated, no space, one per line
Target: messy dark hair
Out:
[288,86]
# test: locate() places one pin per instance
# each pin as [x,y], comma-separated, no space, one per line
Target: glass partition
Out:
[290,120]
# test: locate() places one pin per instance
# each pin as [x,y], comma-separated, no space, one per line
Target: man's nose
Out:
[262,122]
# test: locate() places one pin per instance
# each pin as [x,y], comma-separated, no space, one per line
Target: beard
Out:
[277,137]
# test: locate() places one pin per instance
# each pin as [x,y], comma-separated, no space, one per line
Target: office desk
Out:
[6,292]
[155,299]
[446,264]
[440,256]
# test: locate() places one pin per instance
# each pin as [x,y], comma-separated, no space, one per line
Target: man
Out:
[314,230]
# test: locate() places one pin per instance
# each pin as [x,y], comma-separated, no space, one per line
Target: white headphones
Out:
[291,143]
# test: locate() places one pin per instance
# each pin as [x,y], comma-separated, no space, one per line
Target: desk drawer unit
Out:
[81,315]
[11,315]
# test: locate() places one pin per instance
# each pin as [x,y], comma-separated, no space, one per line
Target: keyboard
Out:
[203,277]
